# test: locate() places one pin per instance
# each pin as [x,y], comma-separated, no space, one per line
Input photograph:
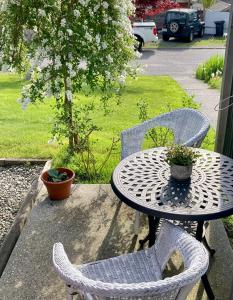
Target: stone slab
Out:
[92,224]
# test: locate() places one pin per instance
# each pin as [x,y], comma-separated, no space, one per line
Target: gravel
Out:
[15,182]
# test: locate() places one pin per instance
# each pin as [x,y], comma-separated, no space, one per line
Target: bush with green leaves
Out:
[212,68]
[180,155]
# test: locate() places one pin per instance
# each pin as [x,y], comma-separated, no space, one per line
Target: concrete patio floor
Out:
[92,224]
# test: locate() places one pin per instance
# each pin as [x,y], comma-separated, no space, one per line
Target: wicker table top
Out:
[142,180]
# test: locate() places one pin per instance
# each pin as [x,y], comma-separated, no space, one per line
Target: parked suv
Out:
[182,23]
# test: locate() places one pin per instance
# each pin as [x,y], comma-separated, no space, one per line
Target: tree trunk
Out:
[68,111]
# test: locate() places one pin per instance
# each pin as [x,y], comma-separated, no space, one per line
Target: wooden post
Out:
[224,134]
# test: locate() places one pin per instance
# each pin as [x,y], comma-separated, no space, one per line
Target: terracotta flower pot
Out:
[58,190]
[181,172]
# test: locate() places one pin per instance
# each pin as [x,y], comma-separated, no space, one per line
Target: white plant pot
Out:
[181,172]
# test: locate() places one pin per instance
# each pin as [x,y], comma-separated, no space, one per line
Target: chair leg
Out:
[137,223]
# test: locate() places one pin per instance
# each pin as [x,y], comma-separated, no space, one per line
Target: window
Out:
[176,16]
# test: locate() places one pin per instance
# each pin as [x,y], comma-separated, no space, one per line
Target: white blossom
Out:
[109,58]
[45,63]
[63,22]
[105,5]
[77,13]
[88,36]
[70,32]
[104,45]
[82,64]
[41,13]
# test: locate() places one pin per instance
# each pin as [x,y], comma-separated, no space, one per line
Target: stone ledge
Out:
[21,161]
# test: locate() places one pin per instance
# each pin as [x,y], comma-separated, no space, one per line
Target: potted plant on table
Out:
[58,182]
[181,160]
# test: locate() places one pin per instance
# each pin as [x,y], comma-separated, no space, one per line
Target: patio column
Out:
[224,134]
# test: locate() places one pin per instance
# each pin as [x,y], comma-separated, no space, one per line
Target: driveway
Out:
[175,62]
[181,65]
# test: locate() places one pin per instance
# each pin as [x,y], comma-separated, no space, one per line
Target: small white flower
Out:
[77,13]
[45,63]
[88,36]
[97,38]
[105,5]
[69,95]
[212,75]
[109,58]
[41,13]
[63,22]
[70,32]
[82,64]
[104,45]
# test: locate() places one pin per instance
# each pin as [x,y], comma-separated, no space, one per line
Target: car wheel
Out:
[190,37]
[165,38]
[174,27]
[139,43]
[201,32]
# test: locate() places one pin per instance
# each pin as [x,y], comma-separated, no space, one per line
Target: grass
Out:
[26,133]
[211,71]
[197,43]
[228,223]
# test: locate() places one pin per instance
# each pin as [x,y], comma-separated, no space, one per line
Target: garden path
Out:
[181,64]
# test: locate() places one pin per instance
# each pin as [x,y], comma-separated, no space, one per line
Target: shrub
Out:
[213,67]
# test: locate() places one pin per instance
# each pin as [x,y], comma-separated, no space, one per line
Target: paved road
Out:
[175,62]
[181,65]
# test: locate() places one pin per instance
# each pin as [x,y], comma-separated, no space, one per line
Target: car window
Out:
[176,16]
[195,16]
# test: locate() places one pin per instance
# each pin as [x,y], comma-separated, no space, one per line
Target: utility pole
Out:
[224,134]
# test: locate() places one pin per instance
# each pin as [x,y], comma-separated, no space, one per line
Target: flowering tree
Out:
[70,46]
[154,7]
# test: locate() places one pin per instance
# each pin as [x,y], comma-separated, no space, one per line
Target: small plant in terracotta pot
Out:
[181,160]
[58,182]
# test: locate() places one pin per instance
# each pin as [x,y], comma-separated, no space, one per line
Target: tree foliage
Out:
[70,47]
[153,6]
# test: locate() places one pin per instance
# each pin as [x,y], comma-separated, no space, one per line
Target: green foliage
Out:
[215,82]
[212,68]
[180,155]
[55,175]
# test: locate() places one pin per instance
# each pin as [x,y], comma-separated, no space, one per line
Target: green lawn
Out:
[26,133]
[197,43]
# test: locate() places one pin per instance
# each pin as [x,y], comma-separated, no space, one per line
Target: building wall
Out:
[213,16]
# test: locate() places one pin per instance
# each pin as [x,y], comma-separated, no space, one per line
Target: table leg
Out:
[151,236]
[205,281]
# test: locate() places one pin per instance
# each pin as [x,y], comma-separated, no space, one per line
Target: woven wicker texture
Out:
[137,275]
[188,125]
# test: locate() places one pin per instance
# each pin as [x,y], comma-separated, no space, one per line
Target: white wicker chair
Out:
[137,275]
[188,125]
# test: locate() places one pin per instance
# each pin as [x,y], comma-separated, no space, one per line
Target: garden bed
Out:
[15,182]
